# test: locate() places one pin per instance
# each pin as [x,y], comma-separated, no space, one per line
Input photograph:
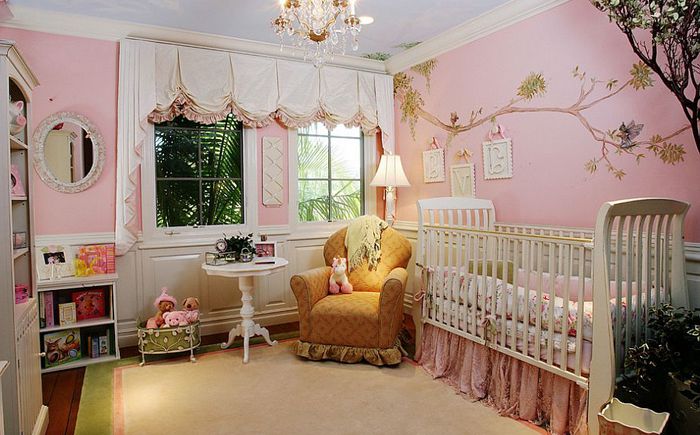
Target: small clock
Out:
[221,245]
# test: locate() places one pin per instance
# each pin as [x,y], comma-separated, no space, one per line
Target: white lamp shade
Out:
[390,172]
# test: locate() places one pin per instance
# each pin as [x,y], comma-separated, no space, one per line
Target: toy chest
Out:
[158,341]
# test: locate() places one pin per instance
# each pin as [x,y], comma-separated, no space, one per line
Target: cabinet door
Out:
[29,374]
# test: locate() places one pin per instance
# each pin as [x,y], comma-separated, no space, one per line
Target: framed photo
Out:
[19,240]
[16,182]
[54,262]
[462,180]
[265,249]
[498,159]
[434,166]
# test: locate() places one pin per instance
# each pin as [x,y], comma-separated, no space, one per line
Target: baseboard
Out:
[42,421]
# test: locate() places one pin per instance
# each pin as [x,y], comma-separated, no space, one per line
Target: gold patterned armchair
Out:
[363,325]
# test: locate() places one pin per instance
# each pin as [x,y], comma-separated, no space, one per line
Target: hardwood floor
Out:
[61,390]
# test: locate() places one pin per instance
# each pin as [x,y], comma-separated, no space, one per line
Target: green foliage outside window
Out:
[330,174]
[199,173]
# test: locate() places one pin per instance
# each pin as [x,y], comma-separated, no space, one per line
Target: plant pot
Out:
[620,418]
[685,418]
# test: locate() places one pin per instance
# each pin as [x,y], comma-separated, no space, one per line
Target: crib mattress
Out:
[564,319]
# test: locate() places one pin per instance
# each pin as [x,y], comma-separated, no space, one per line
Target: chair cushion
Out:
[350,320]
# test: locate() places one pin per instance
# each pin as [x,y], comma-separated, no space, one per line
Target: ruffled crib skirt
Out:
[516,389]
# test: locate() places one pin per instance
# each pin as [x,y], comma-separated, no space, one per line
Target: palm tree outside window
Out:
[330,173]
[199,173]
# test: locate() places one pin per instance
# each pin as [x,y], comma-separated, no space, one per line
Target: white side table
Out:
[246,272]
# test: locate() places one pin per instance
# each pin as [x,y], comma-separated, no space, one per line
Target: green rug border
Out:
[95,413]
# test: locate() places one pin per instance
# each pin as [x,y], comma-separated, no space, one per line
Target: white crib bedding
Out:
[441,292]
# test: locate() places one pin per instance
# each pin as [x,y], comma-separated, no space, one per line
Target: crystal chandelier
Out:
[321,27]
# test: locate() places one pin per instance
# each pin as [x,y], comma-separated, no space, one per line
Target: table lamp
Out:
[390,175]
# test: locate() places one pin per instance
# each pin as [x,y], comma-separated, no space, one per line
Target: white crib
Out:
[536,293]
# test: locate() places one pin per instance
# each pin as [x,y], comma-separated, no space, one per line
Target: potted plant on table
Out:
[236,244]
[664,373]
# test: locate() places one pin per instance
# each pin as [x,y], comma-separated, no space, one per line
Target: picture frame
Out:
[434,165]
[19,240]
[265,249]
[462,180]
[498,159]
[17,188]
[54,262]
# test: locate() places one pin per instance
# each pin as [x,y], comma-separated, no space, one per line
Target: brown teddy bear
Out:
[164,303]
[191,307]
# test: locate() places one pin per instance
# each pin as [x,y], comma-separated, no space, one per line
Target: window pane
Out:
[313,157]
[222,202]
[317,128]
[346,200]
[346,158]
[176,153]
[177,203]
[342,130]
[221,154]
[313,200]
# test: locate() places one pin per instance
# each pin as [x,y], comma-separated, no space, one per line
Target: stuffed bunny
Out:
[16,119]
[339,280]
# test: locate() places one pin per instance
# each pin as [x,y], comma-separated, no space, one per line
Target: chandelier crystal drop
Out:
[321,27]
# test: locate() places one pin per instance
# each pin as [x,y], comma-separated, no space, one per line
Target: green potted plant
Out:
[663,374]
[236,244]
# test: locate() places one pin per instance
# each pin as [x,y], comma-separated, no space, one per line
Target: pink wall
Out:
[78,75]
[550,184]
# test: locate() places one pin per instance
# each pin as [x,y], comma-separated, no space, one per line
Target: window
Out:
[199,173]
[330,173]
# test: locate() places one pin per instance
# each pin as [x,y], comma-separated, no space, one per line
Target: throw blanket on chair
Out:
[362,240]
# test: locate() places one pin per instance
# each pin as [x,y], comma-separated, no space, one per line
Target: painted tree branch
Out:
[673,27]
[618,141]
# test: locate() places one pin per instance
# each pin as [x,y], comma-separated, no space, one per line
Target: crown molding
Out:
[485,24]
[60,23]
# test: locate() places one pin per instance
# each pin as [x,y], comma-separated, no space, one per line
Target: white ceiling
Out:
[396,21]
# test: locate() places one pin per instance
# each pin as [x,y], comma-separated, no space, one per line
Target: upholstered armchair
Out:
[363,325]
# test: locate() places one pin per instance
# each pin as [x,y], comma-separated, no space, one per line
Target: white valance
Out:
[206,85]
[159,81]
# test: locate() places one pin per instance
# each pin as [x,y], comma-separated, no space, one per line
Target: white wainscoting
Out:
[145,269]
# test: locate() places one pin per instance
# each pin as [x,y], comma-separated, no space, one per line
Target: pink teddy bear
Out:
[338,281]
[176,318]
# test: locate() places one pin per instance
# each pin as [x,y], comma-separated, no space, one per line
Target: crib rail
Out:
[513,292]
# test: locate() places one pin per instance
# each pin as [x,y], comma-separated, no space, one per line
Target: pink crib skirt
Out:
[516,389]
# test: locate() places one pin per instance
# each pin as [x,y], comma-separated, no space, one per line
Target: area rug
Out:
[95,414]
[277,392]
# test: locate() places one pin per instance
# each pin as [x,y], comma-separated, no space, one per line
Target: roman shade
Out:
[159,81]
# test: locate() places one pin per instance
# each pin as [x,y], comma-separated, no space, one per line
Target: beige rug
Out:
[278,393]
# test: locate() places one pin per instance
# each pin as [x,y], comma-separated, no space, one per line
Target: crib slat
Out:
[517,245]
[648,273]
[568,264]
[630,280]
[473,299]
[580,313]
[639,243]
[484,282]
[552,300]
[494,278]
[504,292]
[618,289]
[657,255]
[528,266]
[667,260]
[538,304]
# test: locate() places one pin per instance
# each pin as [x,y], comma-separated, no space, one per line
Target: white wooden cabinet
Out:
[23,411]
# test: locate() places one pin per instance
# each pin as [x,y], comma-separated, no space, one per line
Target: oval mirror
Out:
[68,152]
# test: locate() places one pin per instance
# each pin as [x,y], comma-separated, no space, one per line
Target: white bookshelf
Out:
[107,325]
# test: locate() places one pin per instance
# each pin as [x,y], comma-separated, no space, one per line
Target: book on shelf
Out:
[42,311]
[62,347]
[104,345]
[66,313]
[49,307]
